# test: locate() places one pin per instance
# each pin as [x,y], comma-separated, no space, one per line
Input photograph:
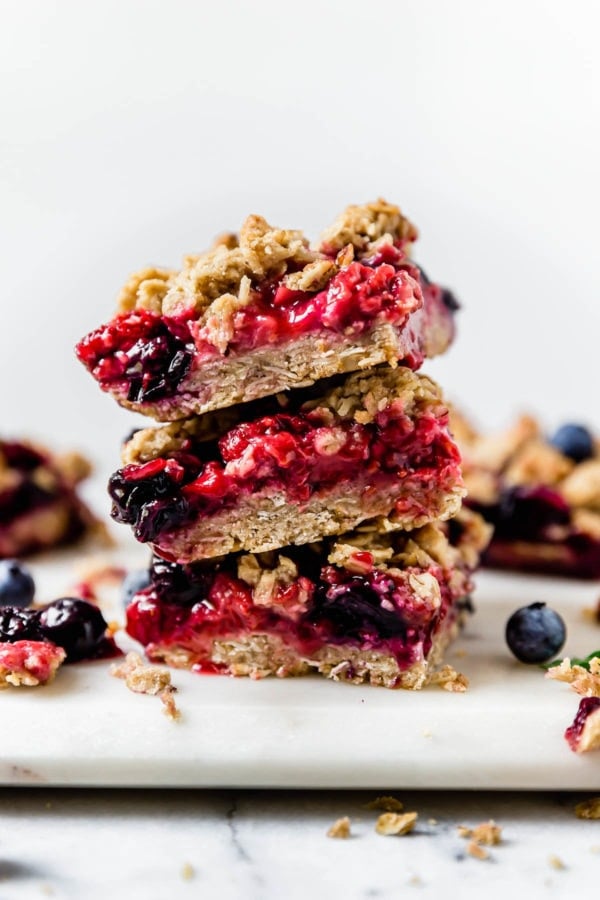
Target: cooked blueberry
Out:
[355,610]
[133,582]
[526,512]
[16,584]
[18,624]
[575,441]
[535,633]
[74,624]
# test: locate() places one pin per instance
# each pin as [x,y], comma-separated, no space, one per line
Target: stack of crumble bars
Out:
[303,499]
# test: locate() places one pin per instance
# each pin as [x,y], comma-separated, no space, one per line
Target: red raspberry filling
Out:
[300,455]
[373,611]
[587,706]
[147,356]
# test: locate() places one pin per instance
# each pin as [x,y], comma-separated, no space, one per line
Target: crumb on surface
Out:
[396,823]
[386,804]
[556,862]
[485,833]
[340,828]
[476,850]
[187,871]
[450,680]
[432,821]
[144,679]
[584,682]
[588,809]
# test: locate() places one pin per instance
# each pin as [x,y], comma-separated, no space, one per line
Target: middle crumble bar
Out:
[292,469]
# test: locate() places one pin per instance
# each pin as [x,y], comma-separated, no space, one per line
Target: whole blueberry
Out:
[16,584]
[134,581]
[74,624]
[535,634]
[574,441]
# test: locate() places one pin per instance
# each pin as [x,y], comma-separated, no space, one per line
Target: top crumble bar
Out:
[265,312]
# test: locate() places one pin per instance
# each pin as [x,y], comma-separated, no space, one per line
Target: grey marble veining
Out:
[166,845]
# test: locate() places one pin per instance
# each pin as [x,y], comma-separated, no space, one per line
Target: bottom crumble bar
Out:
[366,607]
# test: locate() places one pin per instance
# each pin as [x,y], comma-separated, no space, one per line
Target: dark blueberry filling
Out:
[157,367]
[526,513]
[183,585]
[24,497]
[355,610]
[150,505]
[153,354]
[18,624]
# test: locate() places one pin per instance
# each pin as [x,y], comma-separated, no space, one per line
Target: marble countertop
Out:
[252,845]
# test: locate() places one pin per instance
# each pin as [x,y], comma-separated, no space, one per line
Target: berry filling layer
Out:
[392,599]
[382,438]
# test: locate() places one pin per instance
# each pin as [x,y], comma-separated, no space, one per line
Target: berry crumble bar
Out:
[293,468]
[39,505]
[368,606]
[542,495]
[265,313]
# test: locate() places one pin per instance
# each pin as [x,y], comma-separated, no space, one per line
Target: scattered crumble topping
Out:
[450,680]
[396,823]
[476,850]
[584,682]
[556,862]
[486,833]
[187,871]
[385,803]
[340,828]
[144,679]
[588,809]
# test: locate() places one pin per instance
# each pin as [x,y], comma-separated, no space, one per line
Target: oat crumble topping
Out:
[396,823]
[584,682]
[486,833]
[215,284]
[476,850]
[340,828]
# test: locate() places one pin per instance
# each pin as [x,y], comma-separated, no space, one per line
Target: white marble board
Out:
[505,732]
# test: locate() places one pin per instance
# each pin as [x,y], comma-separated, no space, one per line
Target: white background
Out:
[131,132]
